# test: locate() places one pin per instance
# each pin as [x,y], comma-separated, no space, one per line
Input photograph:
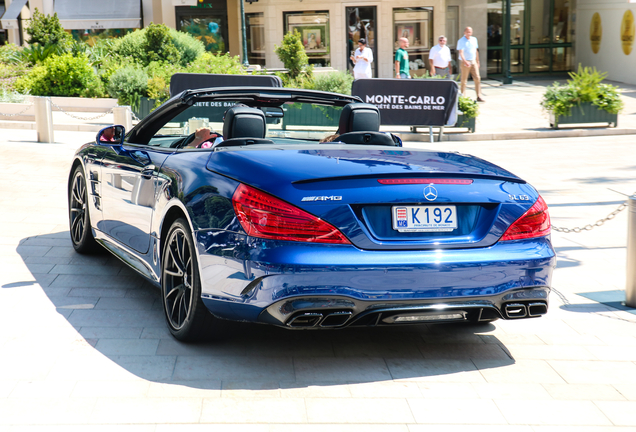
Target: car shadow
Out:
[118,315]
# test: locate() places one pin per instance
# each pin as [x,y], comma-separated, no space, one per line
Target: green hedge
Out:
[63,75]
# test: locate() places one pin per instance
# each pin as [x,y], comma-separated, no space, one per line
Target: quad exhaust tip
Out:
[320,319]
[520,310]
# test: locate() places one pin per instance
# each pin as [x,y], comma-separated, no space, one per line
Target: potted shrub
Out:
[468,112]
[308,115]
[583,99]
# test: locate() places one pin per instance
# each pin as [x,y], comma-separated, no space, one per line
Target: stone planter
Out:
[145,106]
[306,115]
[464,122]
[585,113]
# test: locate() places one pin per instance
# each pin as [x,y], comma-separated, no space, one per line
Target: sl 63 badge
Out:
[519,197]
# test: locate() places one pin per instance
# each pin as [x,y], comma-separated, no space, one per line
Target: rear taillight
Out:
[265,216]
[534,223]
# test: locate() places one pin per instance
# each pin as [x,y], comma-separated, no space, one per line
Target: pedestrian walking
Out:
[402,59]
[440,59]
[468,48]
[362,59]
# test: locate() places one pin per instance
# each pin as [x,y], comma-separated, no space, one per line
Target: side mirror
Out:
[273,112]
[111,135]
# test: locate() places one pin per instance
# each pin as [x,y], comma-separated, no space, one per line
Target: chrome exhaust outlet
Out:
[309,319]
[537,309]
[336,319]
[515,310]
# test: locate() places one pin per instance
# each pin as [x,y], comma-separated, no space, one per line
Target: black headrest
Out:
[356,117]
[244,122]
[371,138]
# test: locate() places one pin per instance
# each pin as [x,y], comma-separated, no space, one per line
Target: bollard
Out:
[43,119]
[630,283]
[122,115]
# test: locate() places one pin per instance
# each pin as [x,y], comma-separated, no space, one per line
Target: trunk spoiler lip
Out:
[436,175]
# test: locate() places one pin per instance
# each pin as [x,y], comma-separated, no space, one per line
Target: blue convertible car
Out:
[237,215]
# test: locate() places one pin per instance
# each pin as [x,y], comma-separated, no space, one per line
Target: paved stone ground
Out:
[83,344]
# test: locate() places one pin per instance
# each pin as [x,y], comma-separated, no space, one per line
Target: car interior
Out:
[359,123]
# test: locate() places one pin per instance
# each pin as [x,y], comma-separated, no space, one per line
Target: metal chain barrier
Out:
[17,114]
[598,223]
[81,118]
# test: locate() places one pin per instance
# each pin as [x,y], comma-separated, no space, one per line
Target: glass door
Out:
[540,36]
[361,24]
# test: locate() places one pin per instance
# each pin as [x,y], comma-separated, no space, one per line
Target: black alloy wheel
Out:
[187,317]
[79,220]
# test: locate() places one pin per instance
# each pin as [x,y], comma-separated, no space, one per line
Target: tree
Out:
[292,53]
[47,30]
[158,45]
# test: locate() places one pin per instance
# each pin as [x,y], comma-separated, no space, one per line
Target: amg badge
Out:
[323,198]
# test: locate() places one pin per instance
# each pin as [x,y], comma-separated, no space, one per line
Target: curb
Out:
[81,127]
[522,135]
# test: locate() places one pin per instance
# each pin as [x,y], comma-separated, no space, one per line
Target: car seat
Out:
[360,124]
[244,126]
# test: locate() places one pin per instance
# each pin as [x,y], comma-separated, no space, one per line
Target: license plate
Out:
[424,218]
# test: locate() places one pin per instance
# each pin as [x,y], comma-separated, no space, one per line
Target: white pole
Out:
[43,119]
[122,115]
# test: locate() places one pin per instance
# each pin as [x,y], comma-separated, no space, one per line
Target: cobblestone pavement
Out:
[84,346]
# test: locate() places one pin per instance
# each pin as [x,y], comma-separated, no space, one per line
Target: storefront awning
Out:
[10,17]
[98,14]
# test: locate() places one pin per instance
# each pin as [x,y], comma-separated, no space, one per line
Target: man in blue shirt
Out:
[468,49]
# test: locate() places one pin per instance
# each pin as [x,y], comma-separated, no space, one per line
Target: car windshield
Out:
[296,116]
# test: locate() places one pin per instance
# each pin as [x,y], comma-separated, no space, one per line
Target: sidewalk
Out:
[85,347]
[514,111]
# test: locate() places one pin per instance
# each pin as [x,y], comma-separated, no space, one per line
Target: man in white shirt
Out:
[362,58]
[468,49]
[440,59]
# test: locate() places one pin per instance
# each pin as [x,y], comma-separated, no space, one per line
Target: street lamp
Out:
[507,76]
[246,63]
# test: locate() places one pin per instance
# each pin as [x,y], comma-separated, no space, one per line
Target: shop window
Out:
[540,22]
[561,21]
[255,32]
[517,19]
[415,24]
[92,36]
[314,31]
[494,63]
[361,24]
[495,20]
[561,59]
[207,22]
[540,60]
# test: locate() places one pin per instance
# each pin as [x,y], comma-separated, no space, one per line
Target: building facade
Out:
[542,32]
[605,37]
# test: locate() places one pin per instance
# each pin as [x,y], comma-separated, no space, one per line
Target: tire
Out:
[187,317]
[79,219]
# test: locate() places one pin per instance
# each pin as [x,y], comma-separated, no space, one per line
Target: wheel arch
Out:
[173,213]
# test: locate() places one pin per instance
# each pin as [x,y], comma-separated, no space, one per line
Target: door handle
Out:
[148,172]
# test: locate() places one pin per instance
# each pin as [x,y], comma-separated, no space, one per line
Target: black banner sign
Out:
[190,81]
[411,102]
[214,111]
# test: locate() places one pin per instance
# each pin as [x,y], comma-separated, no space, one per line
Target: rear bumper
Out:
[331,312]
[277,282]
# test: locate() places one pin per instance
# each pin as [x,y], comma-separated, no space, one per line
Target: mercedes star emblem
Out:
[430,193]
